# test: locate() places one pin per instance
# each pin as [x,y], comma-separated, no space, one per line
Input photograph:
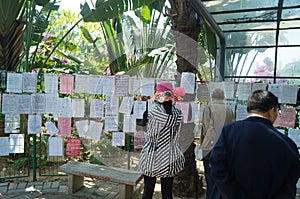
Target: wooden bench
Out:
[78,170]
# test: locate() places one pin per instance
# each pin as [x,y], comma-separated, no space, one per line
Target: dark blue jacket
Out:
[252,160]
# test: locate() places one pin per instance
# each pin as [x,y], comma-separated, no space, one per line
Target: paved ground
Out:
[58,189]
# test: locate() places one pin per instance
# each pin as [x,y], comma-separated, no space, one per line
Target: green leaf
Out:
[146,14]
[42,2]
[86,34]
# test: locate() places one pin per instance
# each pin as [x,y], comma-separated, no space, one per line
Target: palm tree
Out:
[186,28]
[12,30]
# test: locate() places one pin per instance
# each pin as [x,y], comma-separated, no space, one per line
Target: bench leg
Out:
[74,183]
[125,191]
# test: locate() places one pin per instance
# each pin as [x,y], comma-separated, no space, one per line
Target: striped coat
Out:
[161,155]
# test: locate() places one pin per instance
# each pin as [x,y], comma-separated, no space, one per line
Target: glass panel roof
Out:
[258,30]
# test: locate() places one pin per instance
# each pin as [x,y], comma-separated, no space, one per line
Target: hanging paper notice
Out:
[139,109]
[64,126]
[34,124]
[228,90]
[97,108]
[52,129]
[10,103]
[55,146]
[82,127]
[126,105]
[203,92]
[51,83]
[25,104]
[66,84]
[135,86]
[184,107]
[38,103]
[188,82]
[12,123]
[14,83]
[118,139]
[73,147]
[4,146]
[78,107]
[286,118]
[16,143]
[108,85]
[81,84]
[139,139]
[129,124]
[147,86]
[29,82]
[241,112]
[95,84]
[121,85]
[244,91]
[95,130]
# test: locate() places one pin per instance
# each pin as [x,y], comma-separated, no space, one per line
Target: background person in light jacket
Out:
[252,159]
[215,115]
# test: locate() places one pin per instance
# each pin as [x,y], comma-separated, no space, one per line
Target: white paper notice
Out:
[52,129]
[51,83]
[203,93]
[118,139]
[10,103]
[16,143]
[25,104]
[55,146]
[135,86]
[4,146]
[139,109]
[148,86]
[108,85]
[188,82]
[129,124]
[78,107]
[38,103]
[97,108]
[289,94]
[52,103]
[241,112]
[194,109]
[121,85]
[111,122]
[29,82]
[294,134]
[12,123]
[95,130]
[81,84]
[228,90]
[64,107]
[82,127]
[14,83]
[126,105]
[244,91]
[112,105]
[95,84]
[34,124]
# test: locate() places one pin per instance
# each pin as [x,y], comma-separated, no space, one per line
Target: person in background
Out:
[161,156]
[215,115]
[252,159]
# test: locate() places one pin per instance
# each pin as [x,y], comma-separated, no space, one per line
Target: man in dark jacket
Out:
[251,159]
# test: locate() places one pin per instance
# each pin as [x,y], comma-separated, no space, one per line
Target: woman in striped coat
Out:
[161,156]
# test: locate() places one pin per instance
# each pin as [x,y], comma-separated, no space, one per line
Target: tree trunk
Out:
[186,29]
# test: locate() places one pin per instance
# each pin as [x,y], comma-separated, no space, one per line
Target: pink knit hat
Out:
[164,86]
[168,86]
